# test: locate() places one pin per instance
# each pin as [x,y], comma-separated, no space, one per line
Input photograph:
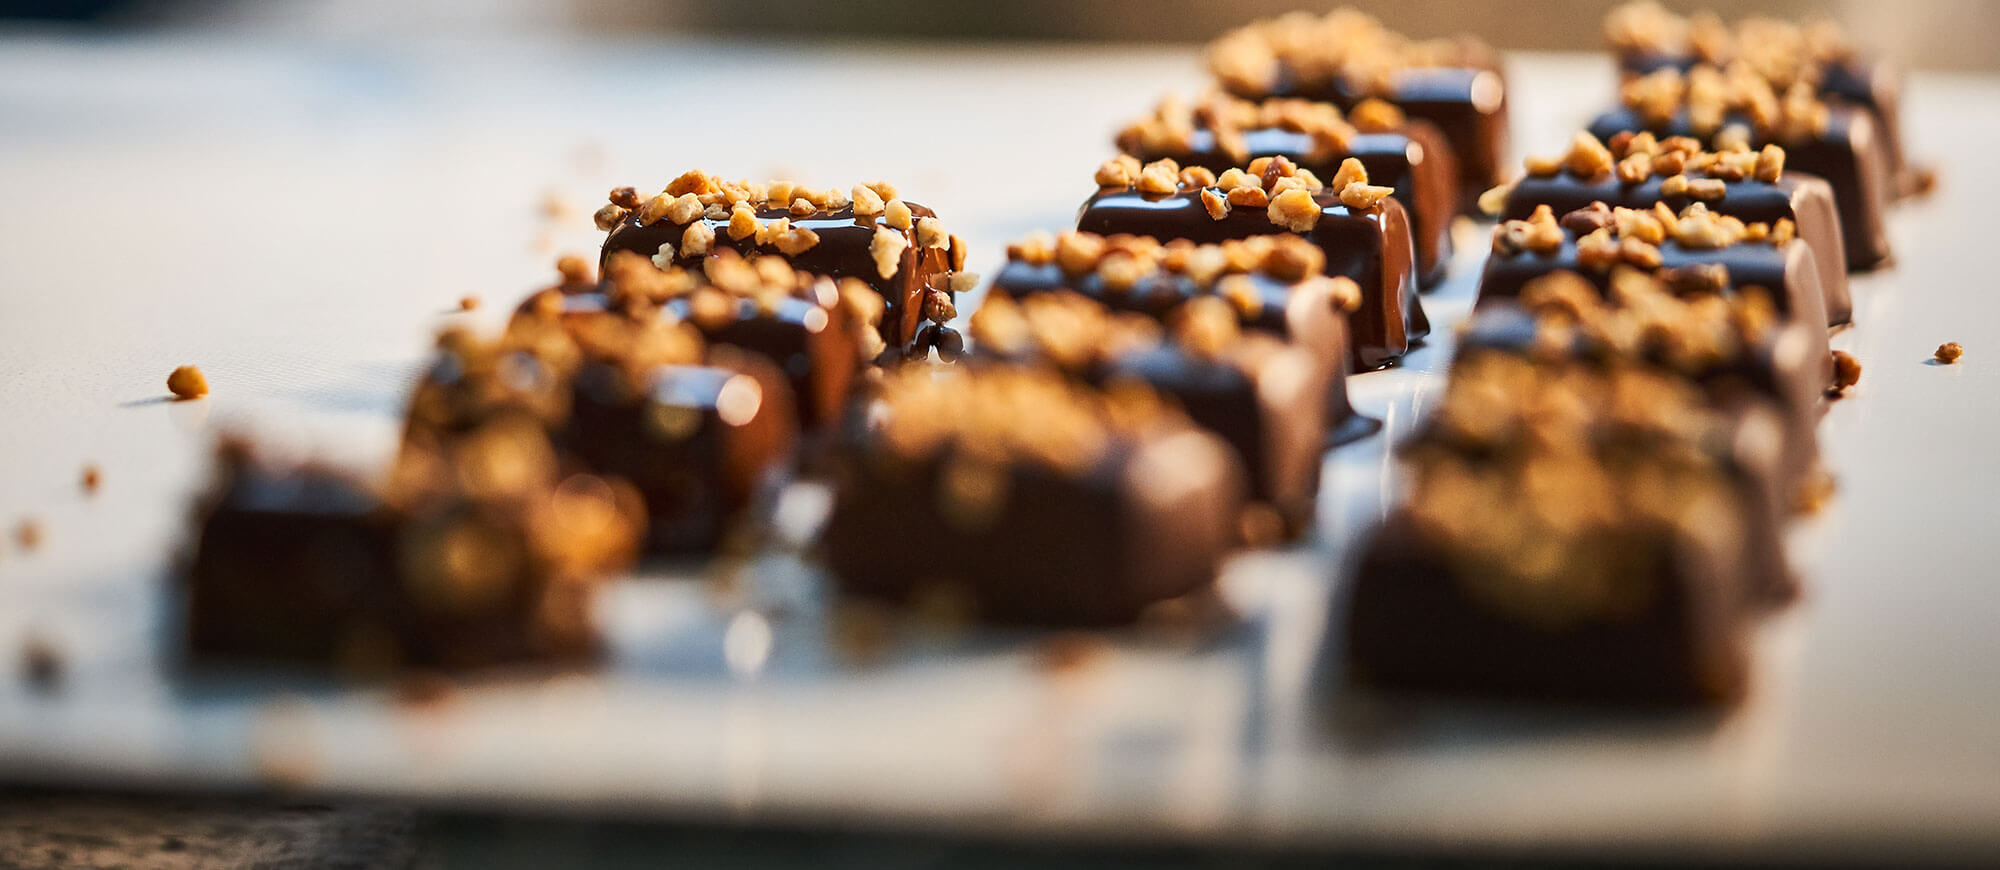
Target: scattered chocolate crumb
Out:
[41,665]
[187,382]
[468,303]
[1069,652]
[92,478]
[1949,352]
[1846,371]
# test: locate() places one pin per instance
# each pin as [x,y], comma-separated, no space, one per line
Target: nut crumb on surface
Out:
[187,382]
[28,534]
[1846,371]
[468,303]
[92,478]
[1949,352]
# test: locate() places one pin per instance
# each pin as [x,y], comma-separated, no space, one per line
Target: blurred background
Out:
[1935,34]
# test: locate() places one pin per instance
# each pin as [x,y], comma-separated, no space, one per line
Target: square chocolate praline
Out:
[702,444]
[1372,246]
[1306,319]
[1806,200]
[1849,155]
[1416,161]
[843,251]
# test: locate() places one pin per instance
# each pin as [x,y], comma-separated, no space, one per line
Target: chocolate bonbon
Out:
[898,248]
[1726,108]
[1362,233]
[1697,249]
[1646,37]
[478,552]
[1254,390]
[1751,186]
[1572,533]
[1347,56]
[1221,131]
[1273,283]
[1030,498]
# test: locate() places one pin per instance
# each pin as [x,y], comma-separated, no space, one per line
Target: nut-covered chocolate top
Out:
[1345,48]
[1606,237]
[1643,317]
[1124,261]
[1783,52]
[1543,481]
[1170,129]
[1285,192]
[1728,104]
[1013,414]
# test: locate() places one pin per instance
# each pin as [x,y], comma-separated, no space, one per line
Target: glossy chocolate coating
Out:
[701,443]
[307,567]
[1781,374]
[1412,628]
[1058,549]
[1416,162]
[1788,272]
[818,357]
[1308,322]
[1374,247]
[1467,104]
[1849,156]
[842,252]
[1805,199]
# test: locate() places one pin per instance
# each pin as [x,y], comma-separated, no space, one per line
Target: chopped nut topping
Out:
[1374,115]
[743,222]
[883,189]
[1249,197]
[1364,196]
[574,269]
[1344,47]
[959,251]
[1949,352]
[1079,253]
[964,282]
[867,203]
[684,209]
[187,382]
[1494,200]
[938,307]
[654,210]
[1121,271]
[698,240]
[1351,172]
[887,249]
[802,206]
[1706,189]
[1636,168]
[610,217]
[1111,174]
[1159,177]
[1590,218]
[1295,210]
[1587,157]
[664,257]
[1783,231]
[1770,164]
[1639,253]
[897,214]
[1037,249]
[1217,204]
[931,233]
[1197,176]
[624,197]
[1597,251]
[795,241]
[1542,167]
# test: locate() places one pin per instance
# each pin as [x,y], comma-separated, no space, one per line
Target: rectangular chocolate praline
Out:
[843,251]
[1871,85]
[1415,161]
[1373,246]
[1076,539]
[1778,375]
[1412,627]
[819,358]
[1848,155]
[1787,271]
[1467,104]
[703,444]
[1804,199]
[1308,320]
